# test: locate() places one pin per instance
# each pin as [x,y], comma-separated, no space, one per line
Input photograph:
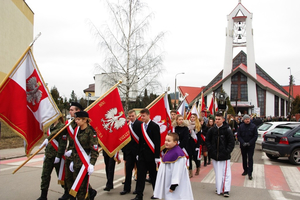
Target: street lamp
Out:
[290,87]
[175,89]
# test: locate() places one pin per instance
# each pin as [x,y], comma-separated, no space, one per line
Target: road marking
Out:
[258,180]
[266,160]
[277,195]
[292,177]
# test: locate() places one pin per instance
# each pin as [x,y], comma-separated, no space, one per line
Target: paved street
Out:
[271,180]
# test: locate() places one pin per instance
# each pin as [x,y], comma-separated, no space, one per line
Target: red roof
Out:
[258,78]
[192,91]
[296,90]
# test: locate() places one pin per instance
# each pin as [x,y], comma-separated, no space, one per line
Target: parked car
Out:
[267,126]
[283,141]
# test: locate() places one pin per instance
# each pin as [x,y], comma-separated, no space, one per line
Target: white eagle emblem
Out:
[34,95]
[157,119]
[113,120]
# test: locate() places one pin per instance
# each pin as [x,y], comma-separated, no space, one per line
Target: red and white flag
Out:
[26,104]
[108,119]
[193,111]
[216,105]
[181,109]
[211,106]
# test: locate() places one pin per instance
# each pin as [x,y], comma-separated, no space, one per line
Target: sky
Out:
[67,51]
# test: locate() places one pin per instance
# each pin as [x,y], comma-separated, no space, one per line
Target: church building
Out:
[250,89]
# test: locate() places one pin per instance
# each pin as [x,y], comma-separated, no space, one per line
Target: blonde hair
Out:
[197,123]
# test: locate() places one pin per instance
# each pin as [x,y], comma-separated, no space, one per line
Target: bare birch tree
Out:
[128,56]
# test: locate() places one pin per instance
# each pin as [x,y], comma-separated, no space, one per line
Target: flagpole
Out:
[17,63]
[88,108]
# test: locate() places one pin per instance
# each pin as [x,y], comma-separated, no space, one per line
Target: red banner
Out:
[109,121]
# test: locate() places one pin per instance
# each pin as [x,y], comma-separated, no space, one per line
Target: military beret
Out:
[81,114]
[78,105]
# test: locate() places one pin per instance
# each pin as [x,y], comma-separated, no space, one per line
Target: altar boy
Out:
[172,182]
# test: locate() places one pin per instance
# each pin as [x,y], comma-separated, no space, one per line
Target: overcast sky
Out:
[67,51]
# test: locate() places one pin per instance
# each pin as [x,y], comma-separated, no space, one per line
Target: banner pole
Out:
[88,108]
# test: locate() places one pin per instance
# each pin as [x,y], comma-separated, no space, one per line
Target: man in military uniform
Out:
[52,156]
[86,137]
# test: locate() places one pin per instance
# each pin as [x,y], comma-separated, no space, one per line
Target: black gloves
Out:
[246,144]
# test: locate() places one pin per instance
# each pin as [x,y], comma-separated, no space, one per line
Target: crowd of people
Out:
[206,138]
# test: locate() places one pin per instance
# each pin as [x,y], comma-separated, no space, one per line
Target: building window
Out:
[244,92]
[276,106]
[239,87]
[234,92]
[282,107]
[261,99]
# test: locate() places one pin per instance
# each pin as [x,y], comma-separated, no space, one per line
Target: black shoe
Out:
[93,194]
[250,177]
[226,194]
[244,173]
[153,197]
[205,164]
[43,195]
[123,182]
[124,192]
[208,162]
[106,189]
[134,192]
[137,198]
[65,196]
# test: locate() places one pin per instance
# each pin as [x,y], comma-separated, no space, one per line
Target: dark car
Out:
[283,141]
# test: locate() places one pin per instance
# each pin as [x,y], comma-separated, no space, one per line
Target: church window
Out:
[239,87]
[261,99]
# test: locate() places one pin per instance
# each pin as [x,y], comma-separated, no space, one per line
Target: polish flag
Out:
[181,109]
[216,105]
[26,104]
[211,106]
[193,111]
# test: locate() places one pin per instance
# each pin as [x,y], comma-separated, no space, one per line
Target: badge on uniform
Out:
[64,137]
[96,146]
[94,136]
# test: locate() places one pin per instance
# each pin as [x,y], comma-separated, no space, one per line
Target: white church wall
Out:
[252,95]
[227,87]
[269,104]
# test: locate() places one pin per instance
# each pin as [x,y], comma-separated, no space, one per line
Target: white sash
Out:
[133,134]
[147,138]
[83,170]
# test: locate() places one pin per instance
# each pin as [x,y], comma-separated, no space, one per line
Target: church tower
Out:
[239,33]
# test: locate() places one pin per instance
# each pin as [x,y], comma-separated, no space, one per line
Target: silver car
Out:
[267,126]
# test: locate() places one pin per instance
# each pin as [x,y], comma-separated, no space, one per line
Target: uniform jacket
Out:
[220,142]
[50,152]
[247,133]
[145,153]
[89,141]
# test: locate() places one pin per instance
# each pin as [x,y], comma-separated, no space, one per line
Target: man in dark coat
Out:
[148,153]
[131,149]
[247,136]
[220,143]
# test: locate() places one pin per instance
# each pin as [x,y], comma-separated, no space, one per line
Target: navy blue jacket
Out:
[247,133]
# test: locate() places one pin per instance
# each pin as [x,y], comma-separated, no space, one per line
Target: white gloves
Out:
[137,157]
[56,160]
[71,167]
[68,153]
[90,169]
[44,143]
[197,149]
